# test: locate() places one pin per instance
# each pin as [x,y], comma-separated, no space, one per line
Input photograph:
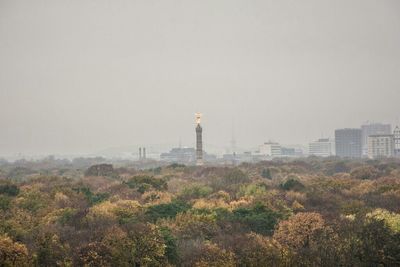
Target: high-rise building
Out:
[380,146]
[373,129]
[270,149]
[323,147]
[199,140]
[348,143]
[396,136]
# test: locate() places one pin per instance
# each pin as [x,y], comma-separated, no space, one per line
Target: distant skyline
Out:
[82,76]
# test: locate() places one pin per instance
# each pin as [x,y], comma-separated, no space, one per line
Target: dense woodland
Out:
[311,212]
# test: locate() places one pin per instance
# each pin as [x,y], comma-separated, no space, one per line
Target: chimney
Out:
[144,153]
[140,153]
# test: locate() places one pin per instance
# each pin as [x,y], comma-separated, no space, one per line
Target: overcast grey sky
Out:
[80,76]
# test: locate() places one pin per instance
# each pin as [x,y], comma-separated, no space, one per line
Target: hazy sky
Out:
[80,76]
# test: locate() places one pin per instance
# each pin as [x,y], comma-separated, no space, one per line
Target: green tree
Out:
[5,202]
[51,251]
[92,198]
[378,245]
[292,184]
[258,218]
[144,183]
[171,249]
[266,173]
[195,191]
[9,189]
[169,210]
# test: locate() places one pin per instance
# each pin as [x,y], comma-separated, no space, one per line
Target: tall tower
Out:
[199,140]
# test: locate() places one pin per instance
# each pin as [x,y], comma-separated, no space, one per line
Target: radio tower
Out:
[199,140]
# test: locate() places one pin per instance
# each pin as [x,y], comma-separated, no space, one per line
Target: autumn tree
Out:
[95,254]
[51,251]
[209,254]
[12,253]
[253,249]
[307,240]
[365,172]
[379,240]
[148,247]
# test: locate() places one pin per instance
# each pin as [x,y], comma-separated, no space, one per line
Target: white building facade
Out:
[373,129]
[396,135]
[270,149]
[381,146]
[323,147]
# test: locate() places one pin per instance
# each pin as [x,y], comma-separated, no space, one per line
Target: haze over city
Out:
[82,76]
[199,133]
